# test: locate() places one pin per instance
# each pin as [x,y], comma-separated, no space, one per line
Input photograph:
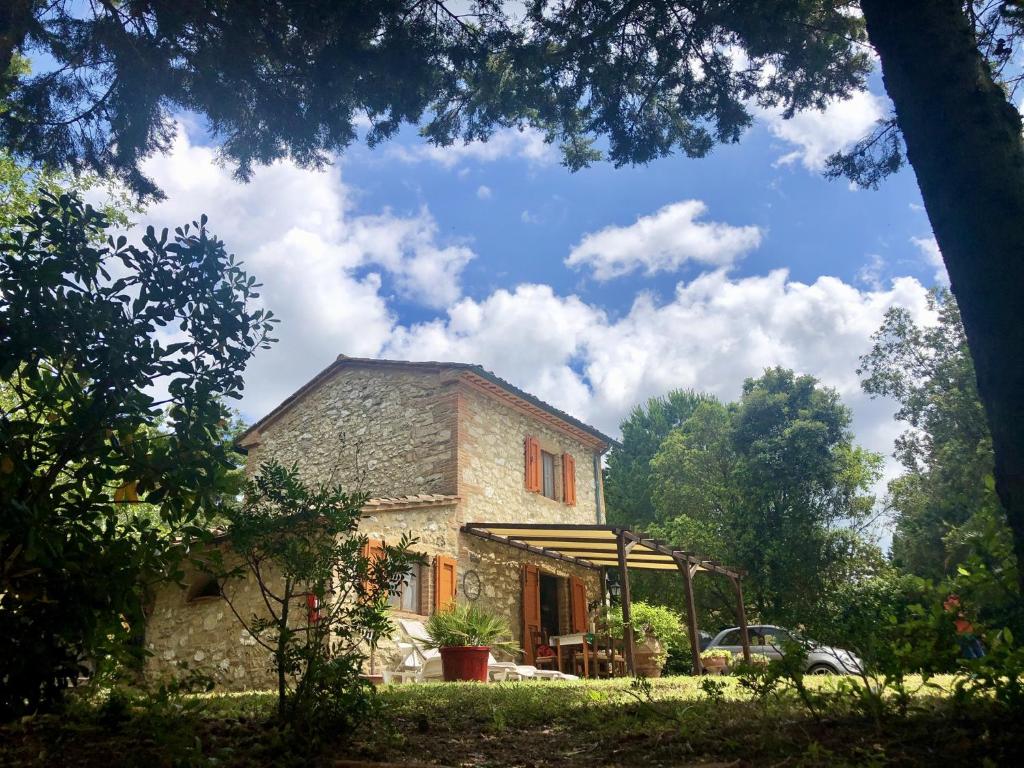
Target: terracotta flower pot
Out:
[715,666]
[465,662]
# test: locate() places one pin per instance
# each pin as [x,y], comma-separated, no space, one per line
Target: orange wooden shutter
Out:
[373,550]
[531,609]
[532,465]
[568,479]
[579,605]
[444,582]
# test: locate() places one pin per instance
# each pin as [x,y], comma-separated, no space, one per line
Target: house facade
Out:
[436,446]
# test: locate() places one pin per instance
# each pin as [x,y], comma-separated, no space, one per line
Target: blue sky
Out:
[594,290]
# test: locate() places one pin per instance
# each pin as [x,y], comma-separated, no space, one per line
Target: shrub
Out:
[325,595]
[664,623]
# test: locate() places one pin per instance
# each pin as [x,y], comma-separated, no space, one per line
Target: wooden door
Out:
[578,605]
[531,608]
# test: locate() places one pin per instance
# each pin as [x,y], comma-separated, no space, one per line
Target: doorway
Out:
[550,615]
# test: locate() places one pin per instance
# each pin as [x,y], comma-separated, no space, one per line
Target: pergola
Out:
[605,546]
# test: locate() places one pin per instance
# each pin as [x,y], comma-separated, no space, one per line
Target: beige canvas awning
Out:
[596,546]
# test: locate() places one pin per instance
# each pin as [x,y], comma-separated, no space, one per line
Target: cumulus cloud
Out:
[484,192]
[322,266]
[716,331]
[325,271]
[663,242]
[527,144]
[817,134]
[929,250]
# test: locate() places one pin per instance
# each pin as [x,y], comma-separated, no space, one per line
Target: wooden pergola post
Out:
[744,635]
[691,615]
[627,609]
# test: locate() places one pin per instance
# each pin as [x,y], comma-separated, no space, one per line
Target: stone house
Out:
[436,446]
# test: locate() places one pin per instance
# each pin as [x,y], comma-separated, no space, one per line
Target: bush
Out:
[325,594]
[664,623]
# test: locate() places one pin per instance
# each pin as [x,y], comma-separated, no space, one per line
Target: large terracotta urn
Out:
[648,656]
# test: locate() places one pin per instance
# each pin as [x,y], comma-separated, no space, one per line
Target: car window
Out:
[775,636]
[731,638]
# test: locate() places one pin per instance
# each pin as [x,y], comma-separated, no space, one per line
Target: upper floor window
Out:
[541,471]
[547,463]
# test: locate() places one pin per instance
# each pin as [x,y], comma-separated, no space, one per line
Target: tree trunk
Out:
[964,142]
[15,17]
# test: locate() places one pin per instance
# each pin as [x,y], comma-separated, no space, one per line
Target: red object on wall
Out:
[312,608]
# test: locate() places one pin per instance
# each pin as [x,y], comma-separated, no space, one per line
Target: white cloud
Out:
[484,192]
[296,232]
[929,249]
[716,331]
[818,134]
[663,242]
[870,273]
[527,144]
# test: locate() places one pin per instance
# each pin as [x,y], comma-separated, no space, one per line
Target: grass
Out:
[591,723]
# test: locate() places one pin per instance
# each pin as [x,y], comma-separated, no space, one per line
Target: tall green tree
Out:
[115,359]
[628,476]
[773,484]
[648,77]
[947,513]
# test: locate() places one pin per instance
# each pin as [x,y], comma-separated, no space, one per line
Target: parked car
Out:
[769,640]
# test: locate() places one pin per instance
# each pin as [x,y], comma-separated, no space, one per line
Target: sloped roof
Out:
[473,370]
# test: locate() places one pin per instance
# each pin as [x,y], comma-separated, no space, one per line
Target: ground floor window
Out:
[410,591]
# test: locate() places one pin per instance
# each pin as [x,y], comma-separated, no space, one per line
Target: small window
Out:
[205,585]
[408,597]
[547,462]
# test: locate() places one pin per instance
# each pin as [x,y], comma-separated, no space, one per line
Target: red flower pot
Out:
[465,662]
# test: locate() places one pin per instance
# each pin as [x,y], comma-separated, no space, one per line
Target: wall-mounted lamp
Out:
[614,590]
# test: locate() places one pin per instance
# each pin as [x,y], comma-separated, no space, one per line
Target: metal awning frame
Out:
[601,547]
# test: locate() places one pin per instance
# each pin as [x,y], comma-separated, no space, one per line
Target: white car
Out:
[768,640]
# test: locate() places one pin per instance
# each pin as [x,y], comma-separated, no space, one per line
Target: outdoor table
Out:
[576,638]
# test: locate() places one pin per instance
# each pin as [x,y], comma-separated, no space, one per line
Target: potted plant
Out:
[716,661]
[465,636]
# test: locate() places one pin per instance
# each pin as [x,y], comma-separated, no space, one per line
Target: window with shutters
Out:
[409,597]
[547,463]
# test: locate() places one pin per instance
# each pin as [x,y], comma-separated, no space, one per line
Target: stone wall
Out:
[491,466]
[385,432]
[203,634]
[499,568]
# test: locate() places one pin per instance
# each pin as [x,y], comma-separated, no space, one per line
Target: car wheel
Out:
[823,669]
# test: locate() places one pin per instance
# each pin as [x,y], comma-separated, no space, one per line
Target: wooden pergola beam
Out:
[627,605]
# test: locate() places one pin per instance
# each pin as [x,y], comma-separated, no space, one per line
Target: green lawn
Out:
[534,724]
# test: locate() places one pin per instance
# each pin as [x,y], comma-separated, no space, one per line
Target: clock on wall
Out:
[471,585]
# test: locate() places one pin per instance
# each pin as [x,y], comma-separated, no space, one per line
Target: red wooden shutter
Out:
[532,465]
[531,609]
[568,479]
[373,550]
[579,605]
[444,582]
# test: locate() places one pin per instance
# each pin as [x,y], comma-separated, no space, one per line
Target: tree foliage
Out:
[326,596]
[115,359]
[292,78]
[772,484]
[628,477]
[945,509]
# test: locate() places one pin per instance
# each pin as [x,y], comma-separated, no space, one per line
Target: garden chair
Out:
[606,654]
